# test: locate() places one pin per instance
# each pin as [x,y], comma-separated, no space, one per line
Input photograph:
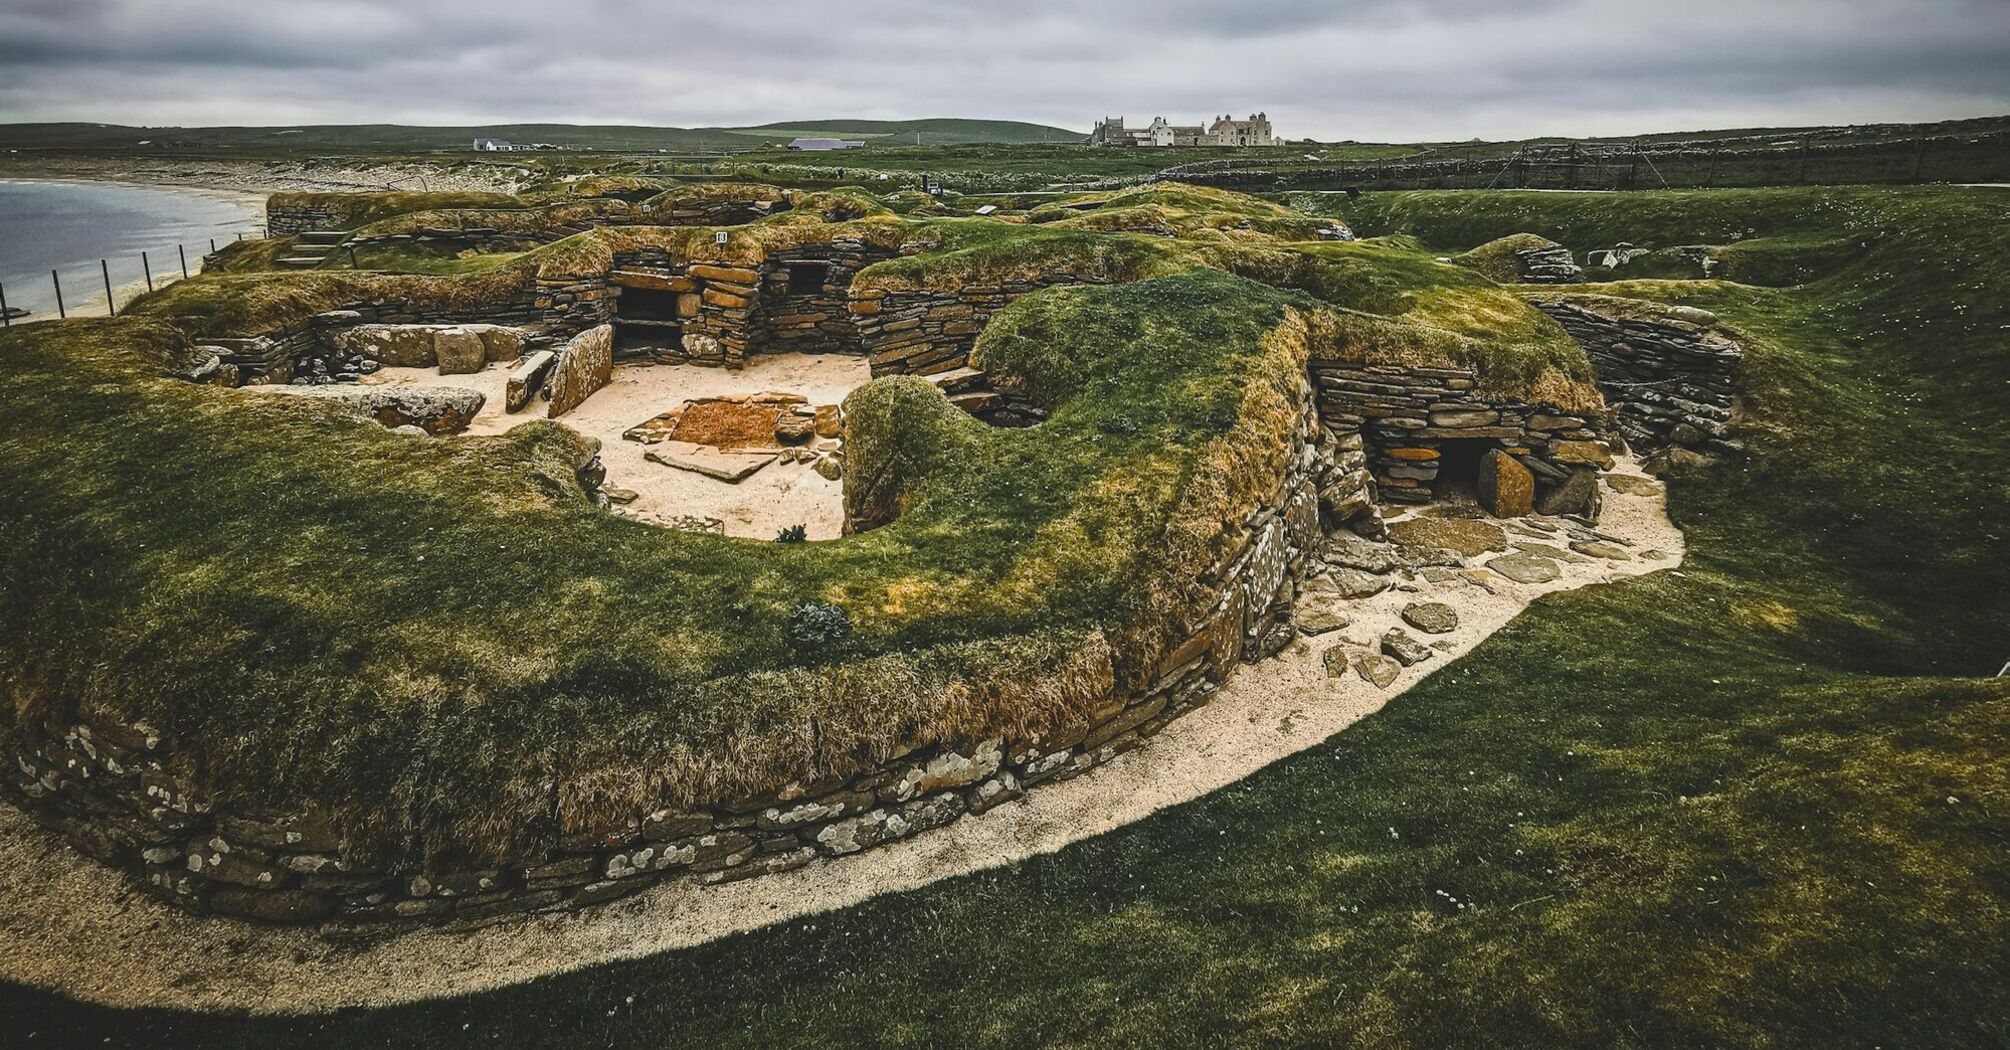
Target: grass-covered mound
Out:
[449,650]
[1758,802]
[351,210]
[1496,260]
[1176,210]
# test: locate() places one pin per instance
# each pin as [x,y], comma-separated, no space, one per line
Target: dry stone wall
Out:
[287,220]
[1672,377]
[1410,417]
[112,789]
[319,349]
[924,332]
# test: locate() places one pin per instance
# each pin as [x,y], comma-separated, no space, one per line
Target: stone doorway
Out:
[1458,477]
[646,320]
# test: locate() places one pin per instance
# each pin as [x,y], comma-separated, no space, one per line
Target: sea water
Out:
[69,226]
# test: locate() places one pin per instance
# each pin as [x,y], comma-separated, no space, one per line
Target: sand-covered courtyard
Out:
[777,496]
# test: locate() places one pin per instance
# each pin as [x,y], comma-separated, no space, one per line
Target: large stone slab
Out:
[400,345]
[1578,497]
[499,341]
[1465,535]
[732,467]
[584,366]
[438,410]
[1522,567]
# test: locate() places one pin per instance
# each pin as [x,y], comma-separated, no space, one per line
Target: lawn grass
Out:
[1752,803]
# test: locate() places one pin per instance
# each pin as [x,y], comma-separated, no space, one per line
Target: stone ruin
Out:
[1368,437]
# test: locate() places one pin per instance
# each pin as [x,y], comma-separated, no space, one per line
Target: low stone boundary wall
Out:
[313,351]
[287,220]
[1671,376]
[110,788]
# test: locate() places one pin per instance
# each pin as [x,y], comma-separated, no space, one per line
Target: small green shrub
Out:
[815,626]
[792,534]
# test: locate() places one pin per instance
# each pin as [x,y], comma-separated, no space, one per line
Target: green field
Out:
[1763,800]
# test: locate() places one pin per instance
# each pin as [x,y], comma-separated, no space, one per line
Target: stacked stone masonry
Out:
[1673,379]
[285,221]
[1409,418]
[111,790]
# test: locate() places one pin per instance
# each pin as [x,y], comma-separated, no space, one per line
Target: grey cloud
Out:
[1371,69]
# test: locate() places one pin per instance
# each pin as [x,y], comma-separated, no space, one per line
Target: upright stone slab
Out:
[1506,488]
[584,366]
[526,379]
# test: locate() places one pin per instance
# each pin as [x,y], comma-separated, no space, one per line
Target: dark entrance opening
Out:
[807,278]
[1458,479]
[645,319]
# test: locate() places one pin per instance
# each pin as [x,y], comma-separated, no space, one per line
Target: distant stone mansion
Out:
[1225,131]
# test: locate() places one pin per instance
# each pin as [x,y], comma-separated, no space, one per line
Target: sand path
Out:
[85,930]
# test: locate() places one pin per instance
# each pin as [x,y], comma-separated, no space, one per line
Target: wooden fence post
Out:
[58,282]
[111,308]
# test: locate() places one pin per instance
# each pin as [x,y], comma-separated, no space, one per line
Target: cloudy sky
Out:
[1331,69]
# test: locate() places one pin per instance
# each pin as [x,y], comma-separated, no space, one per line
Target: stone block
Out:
[1506,488]
[729,274]
[1578,496]
[459,352]
[527,378]
[499,342]
[438,410]
[400,345]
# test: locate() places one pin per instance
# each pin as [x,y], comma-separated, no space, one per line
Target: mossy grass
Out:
[352,210]
[497,635]
[1755,802]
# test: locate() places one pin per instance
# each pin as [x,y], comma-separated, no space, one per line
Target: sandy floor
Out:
[81,928]
[779,495]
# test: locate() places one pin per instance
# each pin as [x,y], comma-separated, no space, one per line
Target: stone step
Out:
[958,380]
[302,262]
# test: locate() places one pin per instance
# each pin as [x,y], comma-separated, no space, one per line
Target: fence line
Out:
[7,316]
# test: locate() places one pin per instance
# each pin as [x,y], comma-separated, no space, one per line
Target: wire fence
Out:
[78,295]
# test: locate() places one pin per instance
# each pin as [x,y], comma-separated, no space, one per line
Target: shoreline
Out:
[263,178]
[89,932]
[88,298]
[247,197]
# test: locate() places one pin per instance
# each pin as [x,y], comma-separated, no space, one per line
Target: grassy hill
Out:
[407,138]
[1758,801]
